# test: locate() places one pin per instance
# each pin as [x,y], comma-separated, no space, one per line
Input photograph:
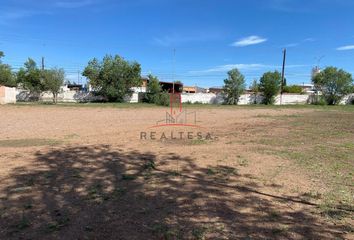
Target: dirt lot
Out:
[256,173]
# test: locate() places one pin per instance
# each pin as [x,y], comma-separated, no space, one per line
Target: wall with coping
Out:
[205,98]
[7,95]
[249,98]
[69,97]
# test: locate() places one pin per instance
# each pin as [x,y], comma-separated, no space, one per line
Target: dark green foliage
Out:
[163,99]
[155,94]
[234,87]
[319,100]
[52,81]
[255,89]
[153,90]
[30,77]
[292,89]
[334,84]
[113,77]
[7,78]
[269,85]
[352,101]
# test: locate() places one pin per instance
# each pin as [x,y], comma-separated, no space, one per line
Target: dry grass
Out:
[82,172]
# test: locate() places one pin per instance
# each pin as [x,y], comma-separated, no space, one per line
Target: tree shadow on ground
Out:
[96,192]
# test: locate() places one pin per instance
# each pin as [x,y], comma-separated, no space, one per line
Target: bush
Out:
[163,99]
[334,84]
[153,90]
[351,101]
[234,87]
[113,77]
[292,89]
[269,85]
[319,100]
[7,77]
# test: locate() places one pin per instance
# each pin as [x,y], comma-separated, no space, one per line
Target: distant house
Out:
[165,86]
[168,87]
[75,87]
[193,89]
[215,90]
[307,87]
[143,87]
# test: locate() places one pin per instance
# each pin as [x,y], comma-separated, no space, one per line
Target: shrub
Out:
[153,90]
[351,101]
[234,87]
[319,100]
[163,99]
[269,85]
[292,89]
[113,77]
[334,84]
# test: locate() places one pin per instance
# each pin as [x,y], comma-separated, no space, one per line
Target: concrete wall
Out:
[212,98]
[205,98]
[69,97]
[134,98]
[7,95]
[292,99]
[349,99]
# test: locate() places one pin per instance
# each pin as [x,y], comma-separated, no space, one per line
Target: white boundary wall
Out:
[206,98]
[211,98]
[69,97]
[7,95]
[349,99]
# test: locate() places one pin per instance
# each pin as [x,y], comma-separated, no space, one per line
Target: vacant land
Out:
[76,172]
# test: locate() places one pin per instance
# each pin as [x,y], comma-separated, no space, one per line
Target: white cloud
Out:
[176,39]
[73,4]
[14,13]
[345,48]
[296,44]
[11,15]
[309,40]
[290,45]
[228,67]
[243,67]
[251,40]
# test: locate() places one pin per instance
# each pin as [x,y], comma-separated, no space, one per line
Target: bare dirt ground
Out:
[265,173]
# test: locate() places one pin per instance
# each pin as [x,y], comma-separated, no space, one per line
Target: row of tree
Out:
[333,83]
[31,78]
[114,77]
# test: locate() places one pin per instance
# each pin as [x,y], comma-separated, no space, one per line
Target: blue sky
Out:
[209,36]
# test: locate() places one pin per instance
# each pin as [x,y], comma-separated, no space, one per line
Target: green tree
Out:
[153,89]
[334,84]
[52,81]
[234,86]
[163,99]
[7,78]
[352,89]
[292,89]
[30,77]
[113,77]
[255,89]
[269,85]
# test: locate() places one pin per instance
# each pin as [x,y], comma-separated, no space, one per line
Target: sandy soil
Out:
[84,173]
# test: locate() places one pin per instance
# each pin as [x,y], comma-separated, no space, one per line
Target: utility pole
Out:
[42,63]
[78,77]
[173,76]
[282,76]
